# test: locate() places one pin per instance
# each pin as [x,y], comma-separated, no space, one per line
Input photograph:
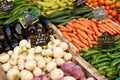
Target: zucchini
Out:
[81,12]
[88,15]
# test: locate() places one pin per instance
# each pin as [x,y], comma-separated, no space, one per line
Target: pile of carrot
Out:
[83,33]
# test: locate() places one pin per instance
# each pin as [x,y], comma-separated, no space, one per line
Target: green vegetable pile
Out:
[107,62]
[49,6]
[20,6]
[62,17]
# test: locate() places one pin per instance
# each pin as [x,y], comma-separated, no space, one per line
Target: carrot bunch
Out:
[83,33]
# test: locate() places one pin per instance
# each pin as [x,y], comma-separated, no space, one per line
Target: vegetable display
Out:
[20,7]
[106,61]
[83,33]
[112,8]
[48,6]
[51,62]
[62,17]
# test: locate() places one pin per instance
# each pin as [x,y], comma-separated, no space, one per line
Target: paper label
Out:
[106,41]
[6,6]
[28,18]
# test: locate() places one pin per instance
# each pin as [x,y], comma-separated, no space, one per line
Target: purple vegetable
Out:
[36,78]
[44,78]
[67,66]
[83,78]
[67,78]
[77,72]
[67,74]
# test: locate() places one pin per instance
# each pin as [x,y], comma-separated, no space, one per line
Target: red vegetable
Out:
[67,66]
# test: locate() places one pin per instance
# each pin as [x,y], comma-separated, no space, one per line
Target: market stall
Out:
[59,40]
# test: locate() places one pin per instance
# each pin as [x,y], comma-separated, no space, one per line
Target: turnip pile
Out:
[50,62]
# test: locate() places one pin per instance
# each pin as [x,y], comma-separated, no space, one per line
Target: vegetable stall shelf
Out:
[84,64]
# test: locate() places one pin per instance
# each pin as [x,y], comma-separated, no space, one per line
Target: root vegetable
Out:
[31,51]
[4,57]
[56,74]
[60,61]
[37,72]
[38,56]
[38,49]
[13,74]
[90,78]
[36,78]
[17,50]
[26,75]
[23,43]
[30,65]
[24,48]
[77,72]
[47,59]
[10,52]
[68,78]
[58,52]
[21,64]
[44,78]
[22,57]
[50,66]
[28,45]
[68,56]
[13,61]
[30,57]
[43,52]
[67,66]
[64,45]
[48,52]
[14,55]
[41,63]
[83,78]
[6,67]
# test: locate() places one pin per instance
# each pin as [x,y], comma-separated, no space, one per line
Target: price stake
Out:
[100,13]
[106,41]
[28,18]
[6,6]
[78,3]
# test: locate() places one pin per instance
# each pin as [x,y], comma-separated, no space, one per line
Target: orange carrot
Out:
[69,27]
[102,27]
[71,24]
[75,21]
[80,43]
[80,27]
[83,40]
[90,45]
[67,37]
[79,48]
[95,37]
[85,24]
[72,35]
[89,40]
[82,33]
[107,27]
[90,36]
[100,30]
[94,42]
[95,29]
[112,27]
[62,28]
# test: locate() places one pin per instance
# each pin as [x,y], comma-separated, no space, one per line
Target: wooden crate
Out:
[84,64]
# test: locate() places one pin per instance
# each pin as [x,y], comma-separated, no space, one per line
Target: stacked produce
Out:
[20,7]
[83,33]
[48,6]
[106,61]
[112,8]
[62,17]
[51,62]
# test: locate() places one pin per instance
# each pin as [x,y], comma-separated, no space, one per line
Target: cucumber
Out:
[103,68]
[102,64]
[115,62]
[59,18]
[88,15]
[118,67]
[81,12]
[60,14]
[101,60]
[92,53]
[102,56]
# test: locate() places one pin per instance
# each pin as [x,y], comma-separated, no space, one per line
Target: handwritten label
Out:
[6,6]
[28,18]
[106,41]
[100,13]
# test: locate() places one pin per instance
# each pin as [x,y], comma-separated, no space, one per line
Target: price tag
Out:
[78,3]
[106,41]
[100,13]
[28,18]
[6,6]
